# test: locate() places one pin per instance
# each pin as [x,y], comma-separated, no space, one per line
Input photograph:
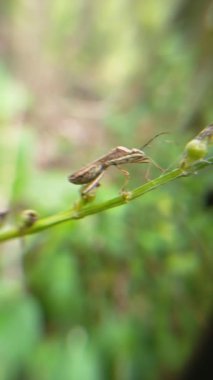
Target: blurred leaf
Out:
[13,96]
[20,331]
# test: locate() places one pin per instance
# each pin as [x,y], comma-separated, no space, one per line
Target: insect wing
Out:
[86,174]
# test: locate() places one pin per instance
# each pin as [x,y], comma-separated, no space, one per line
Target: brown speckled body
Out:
[117,156]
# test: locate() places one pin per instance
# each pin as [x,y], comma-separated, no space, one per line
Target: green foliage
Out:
[20,331]
[123,294]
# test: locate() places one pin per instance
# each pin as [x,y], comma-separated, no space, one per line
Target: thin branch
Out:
[81,210]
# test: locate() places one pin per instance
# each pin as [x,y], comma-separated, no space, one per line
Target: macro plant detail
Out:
[193,159]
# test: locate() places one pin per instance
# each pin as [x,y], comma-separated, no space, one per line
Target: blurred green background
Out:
[125,294]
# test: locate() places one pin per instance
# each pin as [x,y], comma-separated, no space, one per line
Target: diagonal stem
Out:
[83,210]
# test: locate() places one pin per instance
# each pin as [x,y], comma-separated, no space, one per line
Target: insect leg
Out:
[95,183]
[126,174]
[156,165]
[147,173]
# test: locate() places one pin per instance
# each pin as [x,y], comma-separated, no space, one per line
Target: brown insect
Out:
[91,174]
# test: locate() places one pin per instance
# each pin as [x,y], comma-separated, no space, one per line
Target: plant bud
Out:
[3,216]
[28,218]
[196,149]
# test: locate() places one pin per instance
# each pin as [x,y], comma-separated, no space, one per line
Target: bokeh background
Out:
[125,294]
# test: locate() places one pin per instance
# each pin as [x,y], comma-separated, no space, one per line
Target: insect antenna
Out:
[153,138]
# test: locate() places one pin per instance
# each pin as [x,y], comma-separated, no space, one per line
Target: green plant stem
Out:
[82,210]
